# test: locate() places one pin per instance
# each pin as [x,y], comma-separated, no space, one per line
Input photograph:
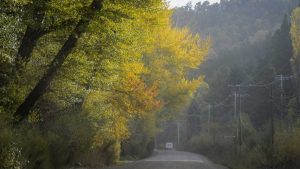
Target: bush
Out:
[65,138]
[132,149]
[200,143]
[10,151]
[141,141]
[39,145]
[35,149]
[287,150]
[101,156]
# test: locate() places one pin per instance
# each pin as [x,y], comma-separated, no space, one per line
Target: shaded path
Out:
[171,160]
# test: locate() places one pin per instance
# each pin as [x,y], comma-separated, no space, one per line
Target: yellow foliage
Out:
[109,124]
[295,32]
[172,55]
[128,65]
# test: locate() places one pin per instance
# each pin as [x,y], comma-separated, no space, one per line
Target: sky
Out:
[178,3]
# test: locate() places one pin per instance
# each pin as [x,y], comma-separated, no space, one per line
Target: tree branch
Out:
[24,109]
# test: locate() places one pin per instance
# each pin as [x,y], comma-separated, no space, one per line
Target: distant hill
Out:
[232,23]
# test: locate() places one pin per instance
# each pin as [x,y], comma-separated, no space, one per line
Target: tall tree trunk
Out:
[24,109]
[33,32]
[28,42]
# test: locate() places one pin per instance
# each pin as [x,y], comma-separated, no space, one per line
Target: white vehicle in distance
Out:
[169,146]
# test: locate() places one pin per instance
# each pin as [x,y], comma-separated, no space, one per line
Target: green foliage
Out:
[141,142]
[287,151]
[103,95]
[229,30]
[35,149]
[10,156]
[200,143]
[113,153]
[248,51]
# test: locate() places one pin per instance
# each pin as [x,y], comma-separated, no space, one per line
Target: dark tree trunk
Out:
[32,34]
[28,43]
[24,109]
[34,31]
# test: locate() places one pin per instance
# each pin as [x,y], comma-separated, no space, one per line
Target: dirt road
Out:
[171,160]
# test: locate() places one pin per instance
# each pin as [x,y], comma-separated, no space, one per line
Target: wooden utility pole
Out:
[272,125]
[240,125]
[208,120]
[235,95]
[238,115]
[282,78]
[213,119]
[178,133]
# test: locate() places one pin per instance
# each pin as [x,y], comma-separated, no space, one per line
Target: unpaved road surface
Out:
[171,160]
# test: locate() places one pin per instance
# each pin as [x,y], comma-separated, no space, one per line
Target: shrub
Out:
[35,149]
[287,150]
[10,151]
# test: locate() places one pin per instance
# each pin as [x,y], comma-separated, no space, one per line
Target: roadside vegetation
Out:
[90,82]
[82,82]
[248,116]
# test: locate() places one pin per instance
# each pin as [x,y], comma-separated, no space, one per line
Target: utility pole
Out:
[240,129]
[213,129]
[272,125]
[208,120]
[282,78]
[240,125]
[238,116]
[235,95]
[281,95]
[178,133]
[235,114]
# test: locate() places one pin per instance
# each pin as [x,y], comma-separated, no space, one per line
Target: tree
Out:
[90,77]
[81,27]
[295,34]
[175,53]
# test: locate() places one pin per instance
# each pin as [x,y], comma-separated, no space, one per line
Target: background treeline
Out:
[254,43]
[81,81]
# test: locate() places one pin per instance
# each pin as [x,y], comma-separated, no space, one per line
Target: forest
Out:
[81,79]
[95,83]
[247,113]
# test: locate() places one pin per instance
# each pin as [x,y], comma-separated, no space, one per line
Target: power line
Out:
[260,72]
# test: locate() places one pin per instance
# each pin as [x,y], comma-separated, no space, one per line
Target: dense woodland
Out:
[85,81]
[247,114]
[93,82]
